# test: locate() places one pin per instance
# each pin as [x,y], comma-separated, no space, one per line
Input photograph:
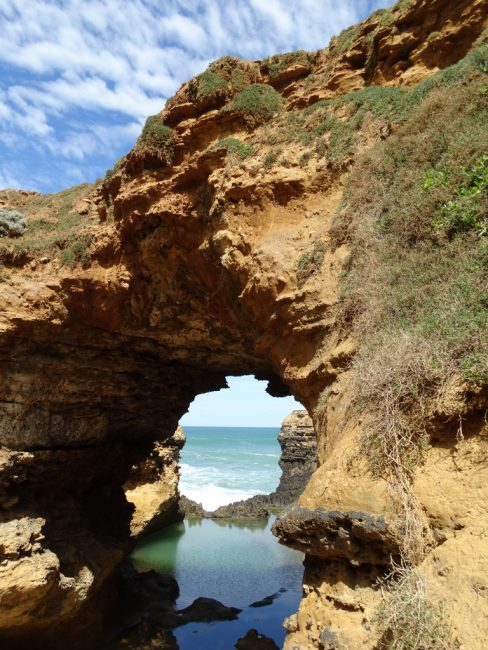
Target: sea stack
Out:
[298,458]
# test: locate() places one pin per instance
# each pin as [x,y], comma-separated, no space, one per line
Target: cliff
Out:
[318,220]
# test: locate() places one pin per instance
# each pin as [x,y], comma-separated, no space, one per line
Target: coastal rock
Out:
[153,487]
[357,537]
[207,610]
[199,265]
[298,459]
[255,641]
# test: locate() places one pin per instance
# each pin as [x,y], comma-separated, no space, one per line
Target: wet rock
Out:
[268,600]
[357,537]
[255,641]
[206,610]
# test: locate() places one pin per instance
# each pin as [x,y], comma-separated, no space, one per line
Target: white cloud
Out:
[73,68]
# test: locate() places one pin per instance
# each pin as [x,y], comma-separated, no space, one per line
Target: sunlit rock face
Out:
[198,265]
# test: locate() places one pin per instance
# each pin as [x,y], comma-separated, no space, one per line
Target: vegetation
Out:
[111,172]
[222,79]
[257,103]
[418,202]
[468,210]
[310,263]
[236,149]
[157,139]
[275,65]
[54,227]
[76,253]
[406,619]
[12,223]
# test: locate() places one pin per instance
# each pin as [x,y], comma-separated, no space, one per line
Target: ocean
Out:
[220,465]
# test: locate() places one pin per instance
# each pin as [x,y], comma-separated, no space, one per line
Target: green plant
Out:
[257,103]
[157,139]
[310,263]
[468,210]
[76,253]
[12,223]
[235,148]
[209,83]
[272,156]
[275,65]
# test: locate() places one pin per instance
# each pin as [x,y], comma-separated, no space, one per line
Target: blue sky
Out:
[244,404]
[79,77]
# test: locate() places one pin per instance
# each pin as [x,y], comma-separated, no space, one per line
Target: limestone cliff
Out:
[318,220]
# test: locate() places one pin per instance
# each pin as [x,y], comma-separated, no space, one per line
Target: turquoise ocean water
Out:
[220,465]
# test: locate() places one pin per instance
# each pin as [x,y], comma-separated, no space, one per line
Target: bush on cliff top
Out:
[222,79]
[12,223]
[157,139]
[257,103]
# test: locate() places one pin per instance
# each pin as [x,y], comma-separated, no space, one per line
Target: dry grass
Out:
[407,620]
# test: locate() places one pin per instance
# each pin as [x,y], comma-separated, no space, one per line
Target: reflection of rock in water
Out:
[146,612]
[255,641]
[298,461]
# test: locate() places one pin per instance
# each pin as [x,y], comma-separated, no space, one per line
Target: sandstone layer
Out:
[202,258]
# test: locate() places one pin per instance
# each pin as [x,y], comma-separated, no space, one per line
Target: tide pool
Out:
[236,563]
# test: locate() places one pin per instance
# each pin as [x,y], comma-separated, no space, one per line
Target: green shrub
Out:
[276,64]
[235,147]
[310,263]
[12,223]
[209,83]
[76,253]
[469,209]
[157,139]
[257,103]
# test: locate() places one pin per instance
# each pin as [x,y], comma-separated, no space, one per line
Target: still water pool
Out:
[236,563]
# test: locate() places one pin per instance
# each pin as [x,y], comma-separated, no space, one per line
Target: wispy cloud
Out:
[79,76]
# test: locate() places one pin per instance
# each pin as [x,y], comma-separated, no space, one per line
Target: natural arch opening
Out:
[232,487]
[232,449]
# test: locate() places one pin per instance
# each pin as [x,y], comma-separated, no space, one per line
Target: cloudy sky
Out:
[79,77]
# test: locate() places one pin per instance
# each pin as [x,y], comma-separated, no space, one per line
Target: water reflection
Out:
[235,562]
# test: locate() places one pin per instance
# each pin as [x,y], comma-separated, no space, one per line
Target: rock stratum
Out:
[295,219]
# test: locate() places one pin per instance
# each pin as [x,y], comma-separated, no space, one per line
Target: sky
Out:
[79,77]
[244,404]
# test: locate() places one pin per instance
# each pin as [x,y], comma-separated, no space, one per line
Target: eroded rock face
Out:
[153,487]
[197,270]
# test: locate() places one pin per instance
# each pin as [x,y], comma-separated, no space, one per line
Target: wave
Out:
[213,496]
